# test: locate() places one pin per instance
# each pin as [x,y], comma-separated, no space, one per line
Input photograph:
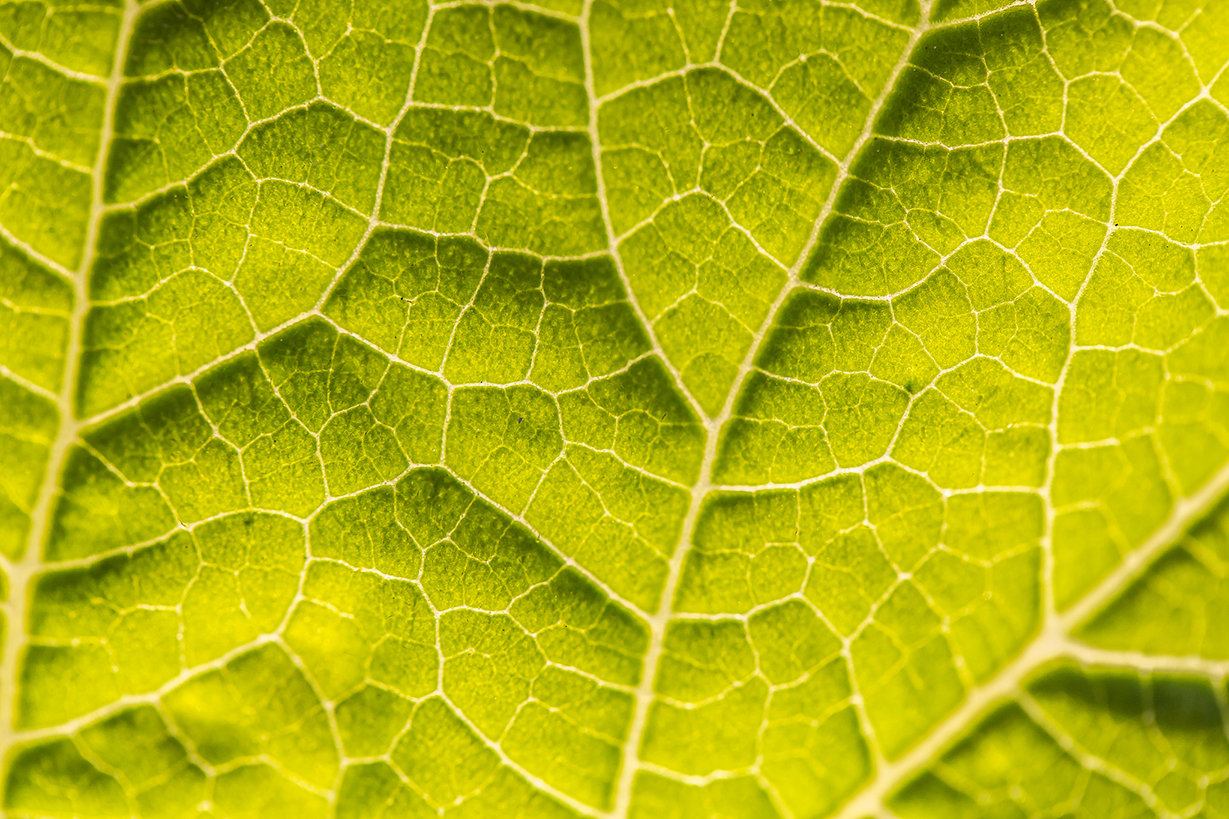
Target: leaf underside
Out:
[637,408]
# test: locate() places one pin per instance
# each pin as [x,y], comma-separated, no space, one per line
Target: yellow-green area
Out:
[663,409]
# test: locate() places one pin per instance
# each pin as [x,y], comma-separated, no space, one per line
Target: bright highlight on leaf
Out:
[670,408]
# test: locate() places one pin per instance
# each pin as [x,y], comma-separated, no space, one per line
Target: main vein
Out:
[21,570]
[660,620]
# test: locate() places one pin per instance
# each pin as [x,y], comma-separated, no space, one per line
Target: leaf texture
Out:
[614,408]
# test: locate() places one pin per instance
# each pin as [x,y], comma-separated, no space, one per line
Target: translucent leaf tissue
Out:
[652,409]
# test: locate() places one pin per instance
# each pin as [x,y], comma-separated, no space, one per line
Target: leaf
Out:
[663,409]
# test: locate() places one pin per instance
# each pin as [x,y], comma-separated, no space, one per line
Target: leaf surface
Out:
[609,408]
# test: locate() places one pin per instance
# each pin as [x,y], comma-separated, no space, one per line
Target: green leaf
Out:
[599,408]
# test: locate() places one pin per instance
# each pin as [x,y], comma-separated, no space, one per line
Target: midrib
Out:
[713,424]
[21,571]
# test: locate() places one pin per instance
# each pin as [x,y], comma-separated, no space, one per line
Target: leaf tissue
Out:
[653,409]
